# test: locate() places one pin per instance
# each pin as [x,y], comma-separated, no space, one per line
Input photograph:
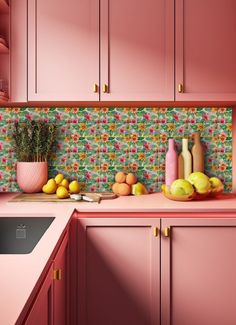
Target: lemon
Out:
[62,192]
[59,178]
[165,189]
[139,189]
[181,187]
[74,187]
[50,187]
[64,183]
[200,182]
[215,182]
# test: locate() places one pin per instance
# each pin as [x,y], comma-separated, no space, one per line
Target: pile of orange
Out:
[123,184]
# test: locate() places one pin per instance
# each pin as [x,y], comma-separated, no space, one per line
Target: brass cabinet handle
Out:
[105,88]
[180,88]
[155,232]
[167,231]
[95,88]
[57,274]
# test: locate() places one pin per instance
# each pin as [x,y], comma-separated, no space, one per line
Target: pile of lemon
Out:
[61,187]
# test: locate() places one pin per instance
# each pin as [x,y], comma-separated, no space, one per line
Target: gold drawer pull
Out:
[57,274]
[155,232]
[167,232]
[180,88]
[105,88]
[95,88]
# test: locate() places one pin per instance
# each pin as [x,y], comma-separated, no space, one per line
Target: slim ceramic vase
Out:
[187,159]
[181,167]
[171,163]
[198,154]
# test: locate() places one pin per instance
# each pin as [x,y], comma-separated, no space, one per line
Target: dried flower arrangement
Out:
[33,140]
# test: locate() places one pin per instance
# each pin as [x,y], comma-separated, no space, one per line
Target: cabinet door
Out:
[198,272]
[206,49]
[18,50]
[137,49]
[118,271]
[63,49]
[42,311]
[61,295]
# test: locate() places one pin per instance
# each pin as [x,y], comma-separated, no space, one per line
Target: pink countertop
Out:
[146,203]
[20,273]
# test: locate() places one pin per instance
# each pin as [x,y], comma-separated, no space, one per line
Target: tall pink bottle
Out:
[171,163]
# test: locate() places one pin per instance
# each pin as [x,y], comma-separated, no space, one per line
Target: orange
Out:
[124,189]
[115,188]
[131,179]
[120,177]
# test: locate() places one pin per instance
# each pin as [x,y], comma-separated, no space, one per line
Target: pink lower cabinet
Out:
[51,302]
[61,284]
[41,312]
[118,271]
[198,268]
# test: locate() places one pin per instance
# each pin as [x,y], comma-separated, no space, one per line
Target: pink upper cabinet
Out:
[198,272]
[18,51]
[63,50]
[137,50]
[206,49]
[118,271]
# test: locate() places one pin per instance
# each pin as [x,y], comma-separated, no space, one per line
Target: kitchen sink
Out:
[19,235]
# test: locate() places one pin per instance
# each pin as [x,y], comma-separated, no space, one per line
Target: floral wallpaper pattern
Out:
[94,143]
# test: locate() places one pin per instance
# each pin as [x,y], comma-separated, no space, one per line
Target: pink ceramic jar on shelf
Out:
[171,163]
[31,176]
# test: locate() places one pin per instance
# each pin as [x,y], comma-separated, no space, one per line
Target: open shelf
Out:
[3,49]
[4,7]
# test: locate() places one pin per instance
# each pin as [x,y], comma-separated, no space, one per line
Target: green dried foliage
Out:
[33,140]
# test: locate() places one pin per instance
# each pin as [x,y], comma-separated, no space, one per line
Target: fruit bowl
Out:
[212,193]
[172,197]
[217,191]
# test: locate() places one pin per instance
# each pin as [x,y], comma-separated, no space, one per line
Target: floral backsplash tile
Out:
[93,143]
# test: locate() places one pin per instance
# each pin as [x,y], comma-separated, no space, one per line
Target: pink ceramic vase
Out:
[31,176]
[171,163]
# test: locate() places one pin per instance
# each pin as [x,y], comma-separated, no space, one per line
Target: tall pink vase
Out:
[31,176]
[171,164]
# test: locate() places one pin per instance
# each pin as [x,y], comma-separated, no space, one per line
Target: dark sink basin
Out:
[19,235]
